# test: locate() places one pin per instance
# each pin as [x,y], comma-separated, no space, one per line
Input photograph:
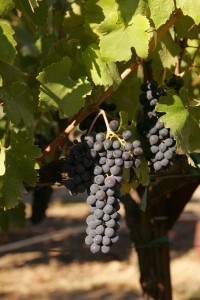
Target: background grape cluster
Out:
[161,143]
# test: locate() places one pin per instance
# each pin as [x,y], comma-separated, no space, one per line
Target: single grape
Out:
[91,232]
[94,188]
[111,223]
[108,209]
[138,151]
[106,217]
[137,163]
[164,162]
[116,144]
[99,179]
[102,160]
[128,164]
[168,154]
[136,144]
[110,192]
[100,229]
[159,155]
[153,139]
[98,213]
[89,219]
[106,241]
[119,162]
[126,134]
[110,181]
[107,144]
[109,154]
[157,166]
[154,149]
[111,200]
[169,142]
[105,249]
[126,155]
[98,146]
[91,200]
[117,153]
[88,240]
[162,147]
[114,125]
[128,146]
[95,248]
[100,195]
[115,170]
[100,136]
[98,239]
[97,170]
[109,232]
[106,168]
[100,204]
[164,132]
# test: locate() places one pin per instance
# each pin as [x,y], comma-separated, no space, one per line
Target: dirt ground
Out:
[51,261]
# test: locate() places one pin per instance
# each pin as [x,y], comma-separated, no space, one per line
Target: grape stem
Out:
[94,121]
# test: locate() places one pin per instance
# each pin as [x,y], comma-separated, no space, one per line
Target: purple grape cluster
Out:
[79,166]
[95,165]
[162,146]
[105,191]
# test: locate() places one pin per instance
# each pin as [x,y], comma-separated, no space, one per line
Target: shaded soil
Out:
[55,263]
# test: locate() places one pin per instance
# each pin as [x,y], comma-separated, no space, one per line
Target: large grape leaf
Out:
[117,37]
[183,121]
[190,8]
[7,43]
[102,73]
[59,91]
[161,11]
[19,162]
[6,6]
[18,104]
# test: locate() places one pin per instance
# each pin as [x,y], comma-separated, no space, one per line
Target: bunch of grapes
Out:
[99,125]
[176,82]
[95,165]
[162,145]
[79,166]
[104,196]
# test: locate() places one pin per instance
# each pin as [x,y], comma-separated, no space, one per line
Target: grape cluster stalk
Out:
[96,165]
[161,142]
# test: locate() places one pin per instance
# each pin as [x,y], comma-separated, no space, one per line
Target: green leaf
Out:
[14,215]
[183,122]
[165,55]
[161,11]
[102,73]
[144,200]
[143,172]
[18,104]
[19,163]
[127,186]
[190,8]
[7,43]
[184,28]
[117,38]
[6,6]
[96,12]
[59,91]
